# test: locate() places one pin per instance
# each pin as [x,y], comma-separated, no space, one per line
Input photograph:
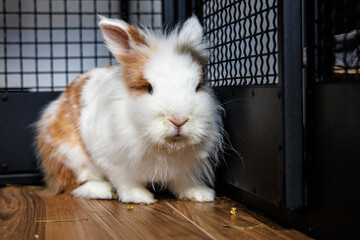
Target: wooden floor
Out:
[27,214]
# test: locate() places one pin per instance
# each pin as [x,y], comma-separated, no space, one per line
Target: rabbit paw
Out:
[198,193]
[137,195]
[94,190]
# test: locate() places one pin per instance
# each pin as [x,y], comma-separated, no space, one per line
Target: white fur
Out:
[94,190]
[191,32]
[198,193]
[130,139]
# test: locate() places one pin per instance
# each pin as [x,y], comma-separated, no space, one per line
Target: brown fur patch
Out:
[73,99]
[63,129]
[197,56]
[133,63]
[136,35]
[56,175]
[132,72]
[66,127]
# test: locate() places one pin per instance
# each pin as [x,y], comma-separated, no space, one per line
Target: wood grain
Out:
[25,213]
[211,217]
[19,207]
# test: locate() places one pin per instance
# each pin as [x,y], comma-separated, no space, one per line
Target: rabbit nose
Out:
[178,122]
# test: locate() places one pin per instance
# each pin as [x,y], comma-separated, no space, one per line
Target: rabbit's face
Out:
[177,107]
[170,103]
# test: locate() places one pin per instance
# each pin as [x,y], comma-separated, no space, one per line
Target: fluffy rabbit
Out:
[151,119]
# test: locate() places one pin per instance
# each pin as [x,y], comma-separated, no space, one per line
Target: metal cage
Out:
[286,72]
[249,66]
[337,40]
[44,45]
[244,42]
[287,75]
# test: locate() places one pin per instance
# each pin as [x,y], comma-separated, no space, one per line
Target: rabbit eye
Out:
[199,86]
[149,89]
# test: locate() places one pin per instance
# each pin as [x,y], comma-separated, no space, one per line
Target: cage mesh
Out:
[243,37]
[45,44]
[337,40]
[145,12]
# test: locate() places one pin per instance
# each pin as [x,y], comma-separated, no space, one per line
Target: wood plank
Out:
[27,214]
[213,216]
[18,209]
[157,221]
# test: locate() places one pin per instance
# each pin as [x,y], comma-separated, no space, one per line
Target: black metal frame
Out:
[291,72]
[18,164]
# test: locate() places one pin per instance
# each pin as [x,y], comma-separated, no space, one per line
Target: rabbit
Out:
[152,119]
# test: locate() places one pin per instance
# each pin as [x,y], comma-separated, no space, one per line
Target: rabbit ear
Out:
[119,36]
[190,40]
[191,31]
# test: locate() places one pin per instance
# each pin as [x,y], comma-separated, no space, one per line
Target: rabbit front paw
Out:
[198,193]
[94,190]
[137,195]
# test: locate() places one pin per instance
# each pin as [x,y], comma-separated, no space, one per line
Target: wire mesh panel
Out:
[45,44]
[255,67]
[337,40]
[243,38]
[145,12]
